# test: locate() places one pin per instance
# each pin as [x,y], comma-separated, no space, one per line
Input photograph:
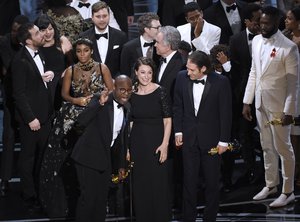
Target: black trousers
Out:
[196,161]
[33,144]
[94,187]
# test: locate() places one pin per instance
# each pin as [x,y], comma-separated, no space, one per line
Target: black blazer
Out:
[171,11]
[213,121]
[116,40]
[93,147]
[169,76]
[241,63]
[121,10]
[215,14]
[32,98]
[131,51]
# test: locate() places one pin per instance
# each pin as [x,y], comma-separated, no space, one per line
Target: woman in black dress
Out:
[57,54]
[80,82]
[149,139]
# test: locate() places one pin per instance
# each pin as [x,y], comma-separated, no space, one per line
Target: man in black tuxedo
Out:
[202,120]
[9,46]
[33,107]
[103,127]
[171,11]
[148,25]
[240,49]
[226,14]
[123,12]
[107,41]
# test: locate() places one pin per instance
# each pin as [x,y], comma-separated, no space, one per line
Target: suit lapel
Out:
[111,41]
[96,54]
[205,91]
[31,61]
[277,45]
[111,114]
[190,91]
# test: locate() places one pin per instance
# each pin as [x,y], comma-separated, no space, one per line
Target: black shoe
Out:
[33,204]
[4,186]
[227,188]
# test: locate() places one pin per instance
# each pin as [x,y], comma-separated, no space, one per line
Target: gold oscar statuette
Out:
[278,121]
[231,147]
[115,177]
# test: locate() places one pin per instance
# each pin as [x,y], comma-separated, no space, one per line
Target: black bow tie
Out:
[199,81]
[35,54]
[98,36]
[81,4]
[146,44]
[229,8]
[163,60]
[250,36]
[119,105]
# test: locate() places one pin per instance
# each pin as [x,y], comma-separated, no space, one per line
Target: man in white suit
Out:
[273,80]
[200,34]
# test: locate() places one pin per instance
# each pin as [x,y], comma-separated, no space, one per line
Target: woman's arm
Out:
[108,81]
[163,148]
[65,91]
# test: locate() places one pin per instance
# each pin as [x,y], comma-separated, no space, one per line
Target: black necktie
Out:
[163,60]
[199,81]
[146,44]
[250,36]
[81,4]
[35,54]
[98,36]
[229,8]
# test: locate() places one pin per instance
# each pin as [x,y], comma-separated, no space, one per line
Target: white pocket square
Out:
[116,46]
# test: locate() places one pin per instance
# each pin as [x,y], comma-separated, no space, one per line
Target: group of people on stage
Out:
[85,101]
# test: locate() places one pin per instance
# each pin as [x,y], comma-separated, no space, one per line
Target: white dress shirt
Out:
[233,17]
[118,121]
[102,44]
[38,61]
[164,65]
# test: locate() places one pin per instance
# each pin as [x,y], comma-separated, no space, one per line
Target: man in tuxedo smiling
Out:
[202,120]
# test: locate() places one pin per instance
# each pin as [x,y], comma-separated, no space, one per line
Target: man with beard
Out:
[33,108]
[273,80]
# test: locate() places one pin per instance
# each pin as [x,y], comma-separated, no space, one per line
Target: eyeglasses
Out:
[158,27]
[123,91]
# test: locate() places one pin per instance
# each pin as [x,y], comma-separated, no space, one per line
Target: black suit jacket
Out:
[213,121]
[215,14]
[170,73]
[93,147]
[116,40]
[32,98]
[241,63]
[121,10]
[171,11]
[131,51]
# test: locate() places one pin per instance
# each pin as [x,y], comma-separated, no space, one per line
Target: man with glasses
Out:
[103,127]
[148,26]
[200,34]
